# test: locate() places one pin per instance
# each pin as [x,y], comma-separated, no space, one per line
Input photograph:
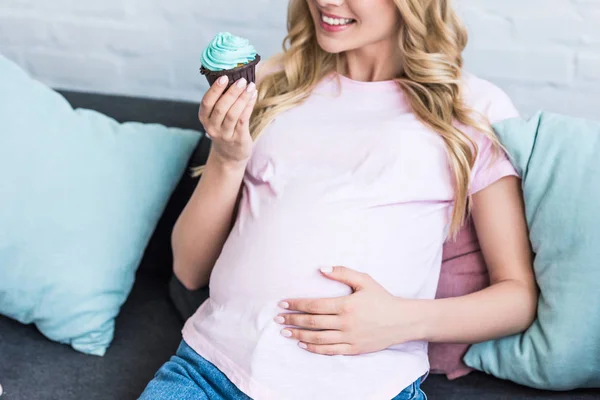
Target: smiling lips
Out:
[331,23]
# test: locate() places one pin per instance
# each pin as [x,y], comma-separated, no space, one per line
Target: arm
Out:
[508,306]
[205,223]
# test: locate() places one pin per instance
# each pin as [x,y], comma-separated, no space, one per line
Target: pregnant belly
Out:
[268,261]
[279,256]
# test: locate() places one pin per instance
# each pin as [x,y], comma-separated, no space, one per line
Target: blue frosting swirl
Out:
[226,51]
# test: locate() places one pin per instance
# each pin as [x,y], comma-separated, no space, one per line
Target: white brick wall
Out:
[544,53]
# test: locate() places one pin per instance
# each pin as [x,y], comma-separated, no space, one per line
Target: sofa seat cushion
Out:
[479,386]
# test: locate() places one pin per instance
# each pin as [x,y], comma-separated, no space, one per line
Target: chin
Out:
[329,46]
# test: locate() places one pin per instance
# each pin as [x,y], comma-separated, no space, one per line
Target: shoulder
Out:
[491,101]
[488,99]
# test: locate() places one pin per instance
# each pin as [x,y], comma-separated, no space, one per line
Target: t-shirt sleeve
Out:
[491,166]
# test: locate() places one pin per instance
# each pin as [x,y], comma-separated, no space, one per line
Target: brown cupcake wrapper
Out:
[247,71]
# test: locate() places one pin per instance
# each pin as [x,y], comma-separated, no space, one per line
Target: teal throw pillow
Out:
[559,160]
[81,195]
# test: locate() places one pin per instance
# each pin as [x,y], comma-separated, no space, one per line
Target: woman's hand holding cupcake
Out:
[225,116]
[229,65]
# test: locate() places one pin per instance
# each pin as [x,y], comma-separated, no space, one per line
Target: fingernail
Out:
[279,320]
[254,94]
[223,80]
[241,83]
[286,333]
[250,87]
[302,345]
[327,270]
[284,304]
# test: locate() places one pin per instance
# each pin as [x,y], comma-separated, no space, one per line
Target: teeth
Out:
[335,21]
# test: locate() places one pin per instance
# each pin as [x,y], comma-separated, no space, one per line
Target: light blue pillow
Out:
[80,197]
[559,160]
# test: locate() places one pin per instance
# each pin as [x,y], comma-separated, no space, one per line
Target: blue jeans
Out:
[188,376]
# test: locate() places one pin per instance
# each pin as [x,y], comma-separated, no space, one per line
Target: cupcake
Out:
[229,55]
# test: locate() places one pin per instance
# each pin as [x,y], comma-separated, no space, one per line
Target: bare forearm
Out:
[500,310]
[204,225]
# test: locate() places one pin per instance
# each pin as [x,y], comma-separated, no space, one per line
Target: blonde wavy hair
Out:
[432,40]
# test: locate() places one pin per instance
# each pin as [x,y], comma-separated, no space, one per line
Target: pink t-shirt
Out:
[353,180]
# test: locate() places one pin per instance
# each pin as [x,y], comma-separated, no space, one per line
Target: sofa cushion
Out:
[479,386]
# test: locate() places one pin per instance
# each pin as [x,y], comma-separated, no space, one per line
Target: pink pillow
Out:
[463,272]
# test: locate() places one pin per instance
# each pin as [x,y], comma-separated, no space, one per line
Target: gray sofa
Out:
[148,326]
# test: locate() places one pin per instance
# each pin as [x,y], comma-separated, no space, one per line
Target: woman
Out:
[365,147]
